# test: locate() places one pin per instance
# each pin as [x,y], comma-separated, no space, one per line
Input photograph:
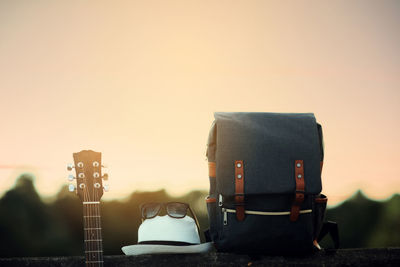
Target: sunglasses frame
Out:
[164,205]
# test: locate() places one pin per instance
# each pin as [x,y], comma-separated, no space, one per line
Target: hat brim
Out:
[166,249]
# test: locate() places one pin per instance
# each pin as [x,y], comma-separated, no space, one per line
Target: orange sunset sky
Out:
[140,80]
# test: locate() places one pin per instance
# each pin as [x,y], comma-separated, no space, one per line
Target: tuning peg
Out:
[71,188]
[70,167]
[71,177]
[106,187]
[105,177]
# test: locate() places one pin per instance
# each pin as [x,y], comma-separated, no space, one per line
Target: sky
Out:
[139,81]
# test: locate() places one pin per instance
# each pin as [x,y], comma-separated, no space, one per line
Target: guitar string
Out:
[85,223]
[94,255]
[99,218]
[96,211]
[98,222]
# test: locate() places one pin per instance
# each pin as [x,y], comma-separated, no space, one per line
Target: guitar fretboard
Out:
[92,234]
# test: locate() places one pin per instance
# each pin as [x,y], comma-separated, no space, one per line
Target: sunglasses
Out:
[176,210]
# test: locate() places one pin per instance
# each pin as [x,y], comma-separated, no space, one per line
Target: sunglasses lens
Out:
[176,210]
[150,210]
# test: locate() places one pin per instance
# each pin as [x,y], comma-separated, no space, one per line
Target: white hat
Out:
[167,235]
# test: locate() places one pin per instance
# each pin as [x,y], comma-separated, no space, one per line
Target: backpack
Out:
[265,183]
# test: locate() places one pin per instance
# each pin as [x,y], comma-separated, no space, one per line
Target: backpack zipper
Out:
[264,213]
[224,211]
[220,200]
[220,203]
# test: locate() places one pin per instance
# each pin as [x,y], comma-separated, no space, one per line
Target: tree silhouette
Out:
[24,220]
[31,227]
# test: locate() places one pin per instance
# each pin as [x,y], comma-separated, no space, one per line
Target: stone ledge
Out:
[342,257]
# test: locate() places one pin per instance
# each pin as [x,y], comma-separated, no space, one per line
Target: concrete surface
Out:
[343,257]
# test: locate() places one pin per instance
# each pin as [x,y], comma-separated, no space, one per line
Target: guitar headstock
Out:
[89,177]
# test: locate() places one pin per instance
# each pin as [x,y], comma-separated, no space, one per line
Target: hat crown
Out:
[166,228]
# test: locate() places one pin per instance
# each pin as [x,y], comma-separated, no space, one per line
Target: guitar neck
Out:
[89,188]
[92,234]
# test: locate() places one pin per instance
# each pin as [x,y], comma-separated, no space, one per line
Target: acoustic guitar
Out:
[89,187]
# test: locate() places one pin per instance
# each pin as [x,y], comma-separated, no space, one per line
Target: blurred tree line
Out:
[31,227]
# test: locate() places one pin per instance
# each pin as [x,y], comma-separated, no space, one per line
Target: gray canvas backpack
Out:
[265,183]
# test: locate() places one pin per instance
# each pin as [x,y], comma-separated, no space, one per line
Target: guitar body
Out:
[89,188]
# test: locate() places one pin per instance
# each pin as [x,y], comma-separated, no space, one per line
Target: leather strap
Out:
[321,164]
[211,200]
[239,190]
[212,169]
[321,200]
[316,245]
[300,187]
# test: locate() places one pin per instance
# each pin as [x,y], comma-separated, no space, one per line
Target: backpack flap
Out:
[269,145]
